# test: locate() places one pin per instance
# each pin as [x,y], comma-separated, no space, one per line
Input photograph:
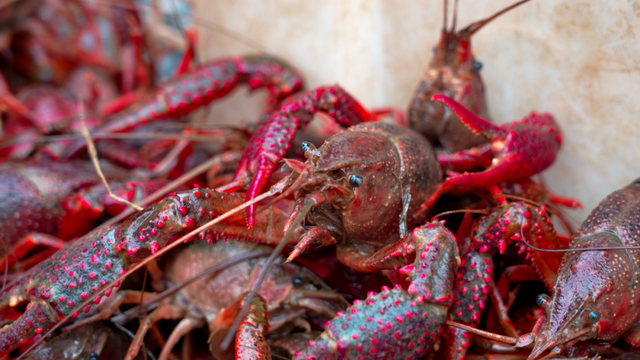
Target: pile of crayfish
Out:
[131,228]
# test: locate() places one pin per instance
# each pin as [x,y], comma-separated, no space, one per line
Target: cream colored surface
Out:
[577,59]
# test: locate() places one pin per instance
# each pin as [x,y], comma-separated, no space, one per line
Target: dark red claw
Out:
[471,120]
[520,149]
[276,131]
[201,86]
[265,167]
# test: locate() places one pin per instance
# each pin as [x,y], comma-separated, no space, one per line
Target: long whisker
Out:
[444,17]
[537,204]
[455,16]
[471,29]
[229,156]
[574,249]
[309,204]
[478,211]
[505,339]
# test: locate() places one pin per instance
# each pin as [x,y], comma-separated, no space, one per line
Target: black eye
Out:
[542,299]
[355,180]
[93,356]
[477,65]
[594,316]
[305,146]
[297,282]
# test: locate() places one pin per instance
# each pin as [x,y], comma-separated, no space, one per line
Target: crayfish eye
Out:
[477,65]
[355,180]
[305,146]
[542,299]
[594,316]
[297,282]
[93,356]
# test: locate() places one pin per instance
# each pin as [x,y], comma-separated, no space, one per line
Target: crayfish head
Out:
[591,298]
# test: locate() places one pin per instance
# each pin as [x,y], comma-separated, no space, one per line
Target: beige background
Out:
[578,59]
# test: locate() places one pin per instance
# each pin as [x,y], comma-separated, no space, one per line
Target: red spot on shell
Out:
[84,295]
[159,224]
[183,210]
[154,247]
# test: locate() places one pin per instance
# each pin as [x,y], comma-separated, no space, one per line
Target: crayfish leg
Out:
[474,277]
[251,342]
[37,317]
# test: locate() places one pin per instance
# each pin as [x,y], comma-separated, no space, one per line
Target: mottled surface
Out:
[60,283]
[207,83]
[471,288]
[576,59]
[520,149]
[397,323]
[602,281]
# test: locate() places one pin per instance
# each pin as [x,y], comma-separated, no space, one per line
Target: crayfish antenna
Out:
[94,158]
[472,28]
[229,156]
[505,339]
[444,17]
[455,16]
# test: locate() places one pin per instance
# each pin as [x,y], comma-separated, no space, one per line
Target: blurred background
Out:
[577,59]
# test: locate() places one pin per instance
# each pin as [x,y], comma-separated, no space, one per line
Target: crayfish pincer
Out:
[398,323]
[79,270]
